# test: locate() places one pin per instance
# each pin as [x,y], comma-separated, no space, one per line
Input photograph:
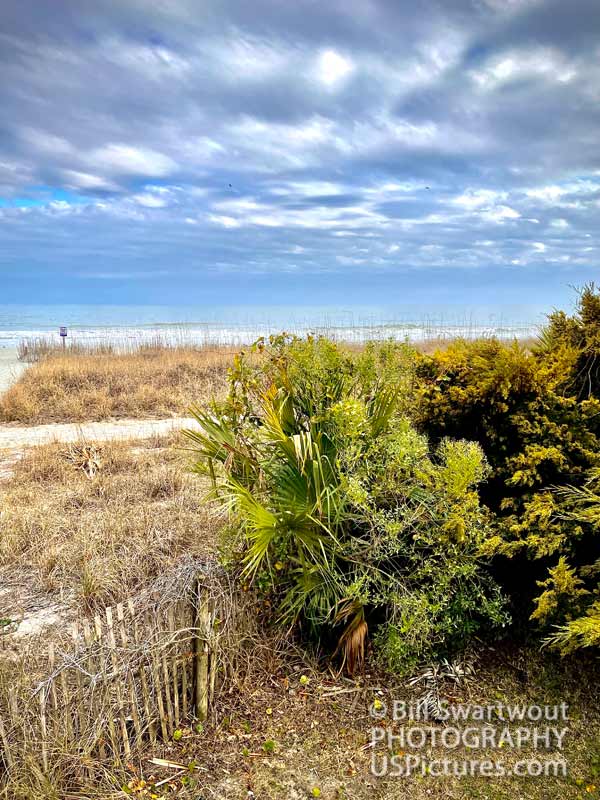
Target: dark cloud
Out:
[140,137]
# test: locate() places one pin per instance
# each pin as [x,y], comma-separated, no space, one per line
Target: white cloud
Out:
[308,188]
[268,146]
[85,180]
[553,193]
[126,160]
[149,200]
[333,68]
[153,63]
[224,221]
[500,214]
[518,64]
[472,199]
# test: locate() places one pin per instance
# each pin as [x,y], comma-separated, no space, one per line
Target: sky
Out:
[348,151]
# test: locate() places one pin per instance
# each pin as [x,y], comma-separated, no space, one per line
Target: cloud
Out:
[149,200]
[333,68]
[274,137]
[122,159]
[84,180]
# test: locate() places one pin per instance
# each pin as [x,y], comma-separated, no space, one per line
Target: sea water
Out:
[241,325]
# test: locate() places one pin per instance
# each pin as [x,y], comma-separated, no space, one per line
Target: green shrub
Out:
[345,518]
[537,416]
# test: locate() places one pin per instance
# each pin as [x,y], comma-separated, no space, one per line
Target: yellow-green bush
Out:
[537,417]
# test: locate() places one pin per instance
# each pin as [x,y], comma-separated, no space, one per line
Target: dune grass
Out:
[100,382]
[97,540]
[91,385]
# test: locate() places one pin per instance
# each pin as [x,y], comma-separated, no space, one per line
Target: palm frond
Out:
[352,642]
[381,409]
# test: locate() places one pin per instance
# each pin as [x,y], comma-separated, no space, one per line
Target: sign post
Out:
[63,335]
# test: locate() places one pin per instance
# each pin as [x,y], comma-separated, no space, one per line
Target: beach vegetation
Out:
[152,381]
[536,415]
[342,515]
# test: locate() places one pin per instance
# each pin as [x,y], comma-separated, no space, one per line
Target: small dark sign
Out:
[63,331]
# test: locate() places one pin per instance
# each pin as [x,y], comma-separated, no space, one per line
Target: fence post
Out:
[201,629]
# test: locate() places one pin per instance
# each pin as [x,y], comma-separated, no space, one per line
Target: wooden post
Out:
[175,648]
[201,626]
[184,624]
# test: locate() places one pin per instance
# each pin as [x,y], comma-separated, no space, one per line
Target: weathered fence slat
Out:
[119,691]
[143,681]
[79,704]
[43,730]
[130,681]
[53,695]
[184,625]
[175,650]
[201,625]
[94,665]
[112,730]
[130,677]
[162,717]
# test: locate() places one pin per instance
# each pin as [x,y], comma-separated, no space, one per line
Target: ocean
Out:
[241,325]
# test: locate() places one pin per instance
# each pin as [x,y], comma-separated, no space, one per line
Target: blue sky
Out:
[354,151]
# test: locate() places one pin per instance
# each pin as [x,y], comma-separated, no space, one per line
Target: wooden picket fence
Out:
[131,676]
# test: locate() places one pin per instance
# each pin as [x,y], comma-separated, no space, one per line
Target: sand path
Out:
[10,367]
[20,436]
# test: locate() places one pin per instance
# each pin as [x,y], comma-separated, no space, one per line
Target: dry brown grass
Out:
[91,540]
[101,383]
[95,540]
[148,382]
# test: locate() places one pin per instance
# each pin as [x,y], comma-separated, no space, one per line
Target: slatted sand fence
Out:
[112,684]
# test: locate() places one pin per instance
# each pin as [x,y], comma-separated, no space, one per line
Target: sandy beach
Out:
[10,367]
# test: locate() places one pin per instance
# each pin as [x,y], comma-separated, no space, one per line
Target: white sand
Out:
[10,367]
[19,436]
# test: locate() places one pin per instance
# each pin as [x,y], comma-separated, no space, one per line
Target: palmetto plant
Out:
[307,457]
[284,482]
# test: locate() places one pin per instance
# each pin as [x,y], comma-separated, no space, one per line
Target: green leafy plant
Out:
[339,513]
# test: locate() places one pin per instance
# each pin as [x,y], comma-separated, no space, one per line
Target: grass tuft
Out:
[148,382]
[97,540]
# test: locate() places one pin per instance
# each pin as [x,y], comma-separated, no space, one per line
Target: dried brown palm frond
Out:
[85,457]
[352,642]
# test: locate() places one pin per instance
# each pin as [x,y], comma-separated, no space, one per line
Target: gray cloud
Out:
[274,137]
